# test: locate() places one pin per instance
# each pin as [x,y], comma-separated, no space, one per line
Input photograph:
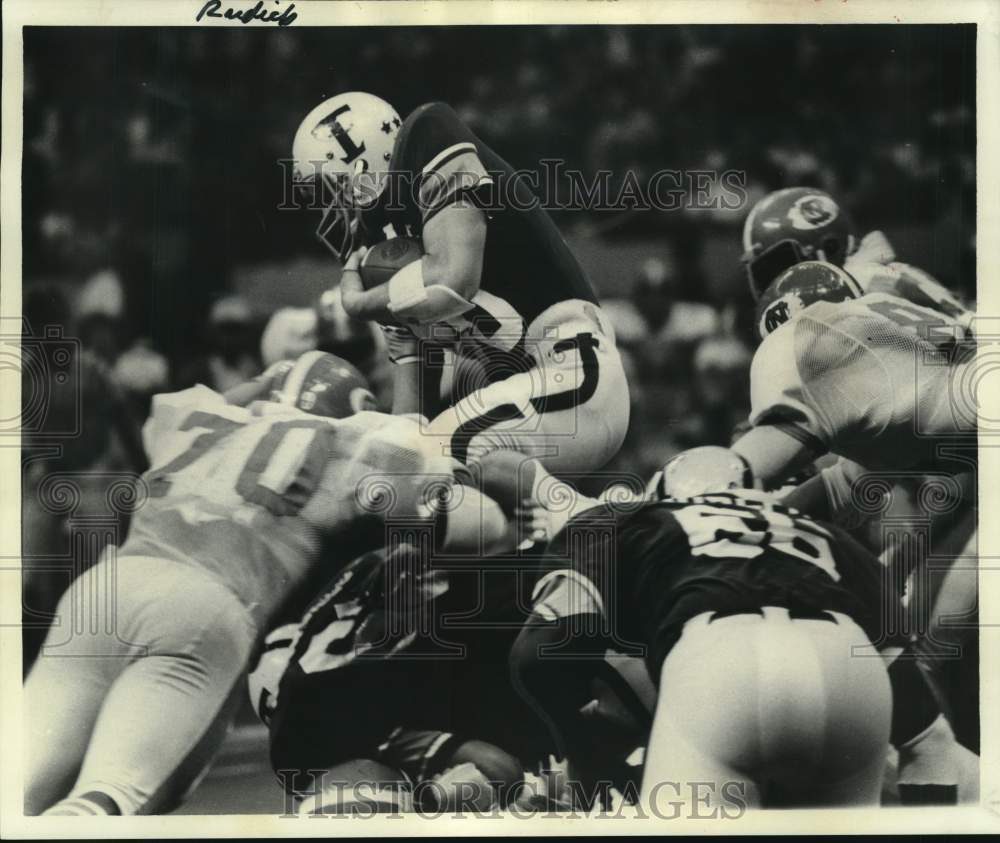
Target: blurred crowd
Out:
[150,179]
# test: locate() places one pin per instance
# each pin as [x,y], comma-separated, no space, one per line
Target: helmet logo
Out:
[813,211]
[330,126]
[779,312]
[307,400]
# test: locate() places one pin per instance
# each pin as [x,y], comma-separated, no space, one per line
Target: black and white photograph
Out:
[511,417]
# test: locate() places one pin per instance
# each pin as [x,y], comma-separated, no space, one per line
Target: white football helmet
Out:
[700,471]
[342,151]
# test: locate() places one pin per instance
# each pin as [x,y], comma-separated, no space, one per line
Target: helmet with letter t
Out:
[341,153]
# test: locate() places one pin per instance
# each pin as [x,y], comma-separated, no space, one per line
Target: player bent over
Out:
[359,696]
[798,224]
[887,385]
[757,626]
[536,367]
[124,717]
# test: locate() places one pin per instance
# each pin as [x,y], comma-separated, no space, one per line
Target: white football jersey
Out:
[877,380]
[248,492]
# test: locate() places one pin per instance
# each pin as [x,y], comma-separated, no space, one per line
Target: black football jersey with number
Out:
[437,162]
[658,565]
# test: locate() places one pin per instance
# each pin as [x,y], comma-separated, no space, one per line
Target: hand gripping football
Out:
[384,259]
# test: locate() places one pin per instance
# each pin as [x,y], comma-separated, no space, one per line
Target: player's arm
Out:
[829,495]
[774,451]
[452,183]
[438,287]
[810,498]
[539,504]
[788,429]
[258,388]
[416,388]
[454,244]
[476,524]
[362,304]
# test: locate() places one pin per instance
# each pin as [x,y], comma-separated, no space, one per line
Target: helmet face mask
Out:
[765,265]
[791,226]
[338,230]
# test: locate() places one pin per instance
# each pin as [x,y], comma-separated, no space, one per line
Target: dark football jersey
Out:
[661,564]
[437,161]
[397,641]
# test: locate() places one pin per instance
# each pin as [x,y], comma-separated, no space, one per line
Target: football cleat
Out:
[800,286]
[793,225]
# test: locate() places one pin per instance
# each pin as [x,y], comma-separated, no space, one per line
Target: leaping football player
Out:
[496,284]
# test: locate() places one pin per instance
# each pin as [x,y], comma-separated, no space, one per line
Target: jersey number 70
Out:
[266,477]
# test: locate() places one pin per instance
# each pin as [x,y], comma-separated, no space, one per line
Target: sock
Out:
[93,803]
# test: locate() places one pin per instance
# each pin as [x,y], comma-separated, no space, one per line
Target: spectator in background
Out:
[721,392]
[232,337]
[100,307]
[76,427]
[289,333]
[292,331]
[141,372]
[670,320]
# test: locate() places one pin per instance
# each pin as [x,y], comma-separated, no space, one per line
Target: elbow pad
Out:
[411,301]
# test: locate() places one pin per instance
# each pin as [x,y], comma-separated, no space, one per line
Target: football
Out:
[384,259]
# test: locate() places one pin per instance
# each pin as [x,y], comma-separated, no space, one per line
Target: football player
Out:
[124,713]
[802,223]
[869,377]
[756,624]
[885,384]
[367,689]
[932,766]
[497,283]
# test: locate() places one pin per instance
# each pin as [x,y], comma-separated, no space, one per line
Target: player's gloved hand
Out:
[535,501]
[402,344]
[351,289]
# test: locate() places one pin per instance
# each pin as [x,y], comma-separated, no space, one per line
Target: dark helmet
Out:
[800,286]
[323,385]
[793,225]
